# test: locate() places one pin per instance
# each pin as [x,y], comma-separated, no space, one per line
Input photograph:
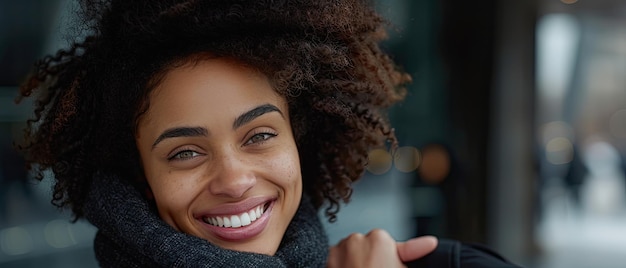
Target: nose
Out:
[234,176]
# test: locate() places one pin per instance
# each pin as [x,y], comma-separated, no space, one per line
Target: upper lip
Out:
[237,207]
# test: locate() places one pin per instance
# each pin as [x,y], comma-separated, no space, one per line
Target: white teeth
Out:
[252,215]
[245,219]
[236,221]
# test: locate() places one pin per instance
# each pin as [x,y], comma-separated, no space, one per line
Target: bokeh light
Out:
[435,166]
[559,150]
[59,234]
[406,159]
[16,241]
[379,161]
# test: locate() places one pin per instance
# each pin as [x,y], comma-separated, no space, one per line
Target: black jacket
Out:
[454,254]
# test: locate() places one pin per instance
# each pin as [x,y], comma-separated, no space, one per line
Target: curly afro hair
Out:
[323,56]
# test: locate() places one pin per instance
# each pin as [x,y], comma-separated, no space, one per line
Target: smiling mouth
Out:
[240,220]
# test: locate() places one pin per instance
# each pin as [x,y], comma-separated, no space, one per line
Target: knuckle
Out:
[380,236]
[355,237]
[351,240]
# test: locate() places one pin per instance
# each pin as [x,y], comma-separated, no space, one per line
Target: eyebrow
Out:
[254,113]
[200,131]
[181,132]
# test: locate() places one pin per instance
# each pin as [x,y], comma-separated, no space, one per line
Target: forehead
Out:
[212,87]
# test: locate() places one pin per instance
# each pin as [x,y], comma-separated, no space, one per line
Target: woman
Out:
[209,133]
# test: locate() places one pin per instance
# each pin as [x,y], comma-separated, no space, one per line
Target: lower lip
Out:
[244,232]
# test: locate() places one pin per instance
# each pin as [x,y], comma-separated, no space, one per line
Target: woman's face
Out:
[219,155]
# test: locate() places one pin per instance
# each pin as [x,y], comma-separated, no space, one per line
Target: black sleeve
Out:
[454,254]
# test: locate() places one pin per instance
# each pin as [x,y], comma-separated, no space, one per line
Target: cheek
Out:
[173,192]
[288,165]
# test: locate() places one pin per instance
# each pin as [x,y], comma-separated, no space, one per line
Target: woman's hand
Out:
[416,248]
[378,249]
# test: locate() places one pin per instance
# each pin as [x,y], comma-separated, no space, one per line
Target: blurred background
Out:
[513,133]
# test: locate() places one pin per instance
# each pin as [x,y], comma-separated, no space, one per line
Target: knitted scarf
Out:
[130,234]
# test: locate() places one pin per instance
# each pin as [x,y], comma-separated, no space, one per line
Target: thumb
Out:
[416,248]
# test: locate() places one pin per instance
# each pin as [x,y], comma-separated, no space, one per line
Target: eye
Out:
[260,138]
[184,155]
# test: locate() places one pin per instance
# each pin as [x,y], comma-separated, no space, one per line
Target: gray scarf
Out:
[130,234]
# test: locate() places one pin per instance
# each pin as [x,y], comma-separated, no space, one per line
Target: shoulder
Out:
[454,254]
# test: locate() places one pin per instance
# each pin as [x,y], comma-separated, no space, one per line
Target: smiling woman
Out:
[216,143]
[209,133]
